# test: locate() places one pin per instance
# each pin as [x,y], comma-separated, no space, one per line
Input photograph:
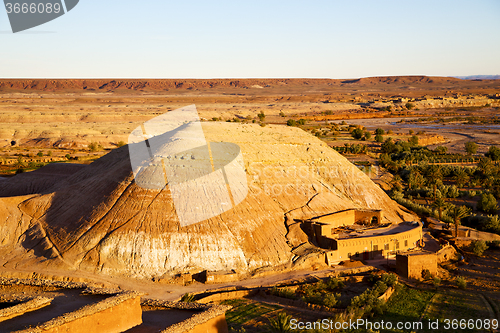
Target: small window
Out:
[375,247]
[349,255]
[406,243]
[397,245]
[386,247]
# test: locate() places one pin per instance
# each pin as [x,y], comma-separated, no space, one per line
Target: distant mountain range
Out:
[479,77]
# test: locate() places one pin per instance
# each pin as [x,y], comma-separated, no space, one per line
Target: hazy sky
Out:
[239,38]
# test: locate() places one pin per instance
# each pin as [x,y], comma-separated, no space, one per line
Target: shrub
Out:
[478,247]
[414,140]
[68,156]
[493,153]
[389,279]
[379,138]
[357,133]
[261,116]
[281,324]
[283,292]
[487,203]
[426,274]
[409,106]
[120,144]
[291,122]
[187,298]
[334,283]
[330,300]
[436,281]
[94,146]
[461,282]
[471,148]
[40,154]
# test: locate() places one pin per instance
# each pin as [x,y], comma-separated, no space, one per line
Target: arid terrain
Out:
[70,208]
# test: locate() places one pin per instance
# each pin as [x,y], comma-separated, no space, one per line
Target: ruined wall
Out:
[411,265]
[447,253]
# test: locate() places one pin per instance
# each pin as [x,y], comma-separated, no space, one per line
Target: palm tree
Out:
[434,176]
[457,213]
[440,204]
[397,183]
[461,178]
[281,324]
[416,180]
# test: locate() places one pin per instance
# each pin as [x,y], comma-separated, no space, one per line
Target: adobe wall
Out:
[376,245]
[338,219]
[366,216]
[212,320]
[411,265]
[215,325]
[114,314]
[219,297]
[24,307]
[447,253]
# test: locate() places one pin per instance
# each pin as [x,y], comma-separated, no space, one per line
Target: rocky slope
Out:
[98,219]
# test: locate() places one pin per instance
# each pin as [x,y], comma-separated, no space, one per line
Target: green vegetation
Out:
[478,247]
[471,148]
[357,133]
[420,176]
[244,311]
[280,324]
[187,298]
[493,153]
[487,203]
[292,122]
[406,304]
[321,293]
[94,146]
[461,282]
[261,116]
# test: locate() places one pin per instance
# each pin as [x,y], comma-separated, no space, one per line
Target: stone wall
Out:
[411,265]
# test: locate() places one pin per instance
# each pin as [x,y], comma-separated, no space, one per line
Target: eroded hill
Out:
[96,218]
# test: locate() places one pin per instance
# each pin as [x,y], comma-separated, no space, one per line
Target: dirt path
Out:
[172,292]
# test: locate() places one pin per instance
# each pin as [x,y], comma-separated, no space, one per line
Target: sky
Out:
[257,39]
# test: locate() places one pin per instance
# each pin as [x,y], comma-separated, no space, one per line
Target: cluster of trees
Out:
[322,293]
[427,180]
[293,122]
